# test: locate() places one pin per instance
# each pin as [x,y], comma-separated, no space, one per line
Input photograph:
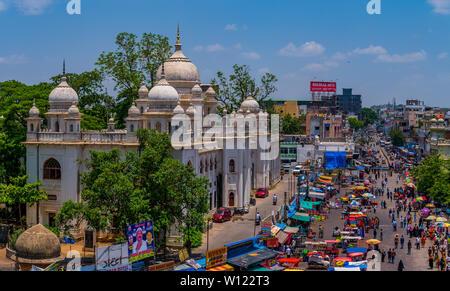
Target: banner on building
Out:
[140,241]
[216,257]
[112,258]
[323,87]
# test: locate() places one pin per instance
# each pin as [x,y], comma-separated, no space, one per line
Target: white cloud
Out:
[406,58]
[440,6]
[251,55]
[320,67]
[231,27]
[13,60]
[210,48]
[32,7]
[3,6]
[339,56]
[371,50]
[307,49]
[442,56]
[237,46]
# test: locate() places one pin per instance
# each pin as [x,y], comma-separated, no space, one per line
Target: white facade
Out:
[178,91]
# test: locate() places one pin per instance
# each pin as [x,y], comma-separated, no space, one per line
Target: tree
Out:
[368,116]
[432,177]
[397,137]
[231,91]
[148,184]
[132,62]
[355,124]
[154,50]
[292,125]
[18,192]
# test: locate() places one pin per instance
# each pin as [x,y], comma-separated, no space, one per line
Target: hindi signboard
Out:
[167,266]
[216,257]
[183,254]
[112,258]
[140,241]
[323,87]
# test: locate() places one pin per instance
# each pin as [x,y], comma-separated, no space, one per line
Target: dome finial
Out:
[64,67]
[163,74]
[178,43]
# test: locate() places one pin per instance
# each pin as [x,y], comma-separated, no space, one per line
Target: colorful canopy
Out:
[441,219]
[373,242]
[431,217]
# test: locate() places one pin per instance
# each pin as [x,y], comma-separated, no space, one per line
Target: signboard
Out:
[272,243]
[112,258]
[167,266]
[323,87]
[183,254]
[216,257]
[266,228]
[140,241]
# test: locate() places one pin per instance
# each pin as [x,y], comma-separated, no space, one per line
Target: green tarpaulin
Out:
[305,218]
[308,204]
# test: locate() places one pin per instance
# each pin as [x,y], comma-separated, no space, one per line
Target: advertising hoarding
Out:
[323,87]
[112,258]
[140,241]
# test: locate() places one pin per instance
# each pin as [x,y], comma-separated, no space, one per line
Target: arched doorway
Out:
[231,199]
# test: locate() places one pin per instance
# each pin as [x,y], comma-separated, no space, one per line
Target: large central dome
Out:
[178,67]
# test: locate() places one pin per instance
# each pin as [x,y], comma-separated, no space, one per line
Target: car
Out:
[222,214]
[262,193]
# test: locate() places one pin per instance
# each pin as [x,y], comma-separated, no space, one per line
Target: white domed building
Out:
[53,153]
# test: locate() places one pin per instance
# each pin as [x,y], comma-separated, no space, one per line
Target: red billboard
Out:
[323,86]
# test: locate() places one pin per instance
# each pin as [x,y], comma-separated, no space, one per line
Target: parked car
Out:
[297,170]
[222,214]
[262,193]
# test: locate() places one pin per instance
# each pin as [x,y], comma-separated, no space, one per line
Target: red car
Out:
[222,214]
[262,193]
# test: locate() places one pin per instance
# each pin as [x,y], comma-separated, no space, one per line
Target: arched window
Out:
[32,127]
[189,164]
[131,128]
[215,163]
[71,128]
[57,126]
[211,164]
[206,165]
[142,109]
[231,166]
[52,170]
[201,167]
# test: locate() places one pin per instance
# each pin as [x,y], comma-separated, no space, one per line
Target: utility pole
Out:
[254,229]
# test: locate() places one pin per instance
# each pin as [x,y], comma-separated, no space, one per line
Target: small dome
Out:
[73,110]
[441,120]
[63,93]
[178,109]
[111,120]
[211,91]
[190,110]
[34,111]
[197,92]
[143,91]
[250,104]
[163,92]
[38,243]
[133,111]
[433,120]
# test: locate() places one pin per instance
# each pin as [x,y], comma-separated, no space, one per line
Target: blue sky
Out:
[402,53]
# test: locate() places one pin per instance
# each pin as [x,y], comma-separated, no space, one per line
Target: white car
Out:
[297,170]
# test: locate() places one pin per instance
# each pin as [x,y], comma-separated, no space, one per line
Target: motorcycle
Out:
[274,200]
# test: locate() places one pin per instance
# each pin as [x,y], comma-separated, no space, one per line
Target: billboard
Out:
[323,87]
[167,266]
[216,257]
[140,241]
[112,258]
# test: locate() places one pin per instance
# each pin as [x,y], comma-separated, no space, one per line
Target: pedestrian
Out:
[393,256]
[389,255]
[396,241]
[418,243]
[430,261]
[402,241]
[383,255]
[381,234]
[374,233]
[401,267]
[288,252]
[409,247]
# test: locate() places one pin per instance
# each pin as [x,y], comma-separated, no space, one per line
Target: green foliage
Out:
[397,137]
[433,178]
[196,238]
[13,238]
[368,116]
[292,125]
[234,89]
[53,229]
[355,124]
[119,191]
